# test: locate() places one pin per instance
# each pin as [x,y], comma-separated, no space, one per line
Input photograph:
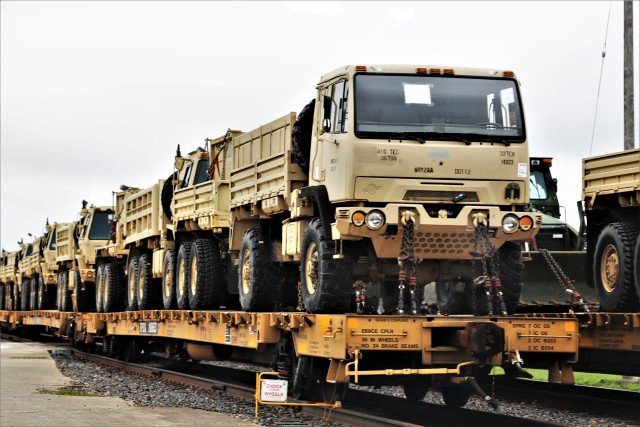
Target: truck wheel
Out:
[148,292]
[301,136]
[166,195]
[636,266]
[168,280]
[2,299]
[65,293]
[325,281]
[613,267]
[33,293]
[85,295]
[205,282]
[452,296]
[46,295]
[132,284]
[511,274]
[182,276]
[25,294]
[8,289]
[256,281]
[100,279]
[113,288]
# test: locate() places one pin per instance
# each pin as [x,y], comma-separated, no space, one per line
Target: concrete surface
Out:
[27,367]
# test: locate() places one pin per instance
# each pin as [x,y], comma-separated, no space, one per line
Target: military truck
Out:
[76,248]
[392,177]
[8,277]
[130,264]
[611,197]
[29,272]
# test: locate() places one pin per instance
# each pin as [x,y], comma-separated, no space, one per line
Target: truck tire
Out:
[511,274]
[85,295]
[24,295]
[613,267]
[636,266]
[132,284]
[46,295]
[168,280]
[33,293]
[256,278]
[114,298]
[8,292]
[325,281]
[301,136]
[148,292]
[2,299]
[205,271]
[166,195]
[65,293]
[100,279]
[183,276]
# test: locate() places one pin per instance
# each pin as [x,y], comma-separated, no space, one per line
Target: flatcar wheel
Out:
[456,397]
[416,387]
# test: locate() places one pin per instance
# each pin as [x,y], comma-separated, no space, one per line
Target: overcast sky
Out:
[98,94]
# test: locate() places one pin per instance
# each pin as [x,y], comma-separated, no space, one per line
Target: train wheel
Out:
[205,284]
[613,267]
[100,279]
[113,288]
[182,276]
[256,281]
[148,293]
[65,293]
[325,282]
[455,397]
[416,387]
[132,284]
[168,280]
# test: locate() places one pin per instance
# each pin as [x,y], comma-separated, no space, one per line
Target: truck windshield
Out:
[537,186]
[428,107]
[100,226]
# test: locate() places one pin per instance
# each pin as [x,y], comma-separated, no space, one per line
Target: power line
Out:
[604,53]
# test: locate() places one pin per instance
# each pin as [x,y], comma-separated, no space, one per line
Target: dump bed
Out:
[143,214]
[8,270]
[262,171]
[613,173]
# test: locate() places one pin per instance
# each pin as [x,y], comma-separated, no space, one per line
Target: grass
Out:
[593,380]
[65,392]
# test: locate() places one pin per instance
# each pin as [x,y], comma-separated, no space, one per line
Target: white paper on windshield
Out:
[522,170]
[417,94]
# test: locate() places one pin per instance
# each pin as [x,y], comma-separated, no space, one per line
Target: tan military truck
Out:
[8,278]
[393,177]
[29,272]
[611,197]
[76,249]
[130,265]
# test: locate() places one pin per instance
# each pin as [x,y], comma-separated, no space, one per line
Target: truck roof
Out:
[412,69]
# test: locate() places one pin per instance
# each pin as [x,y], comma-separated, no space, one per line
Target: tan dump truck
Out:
[130,265]
[611,197]
[392,178]
[76,249]
[8,278]
[29,272]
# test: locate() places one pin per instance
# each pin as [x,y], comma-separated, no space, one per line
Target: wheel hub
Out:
[311,268]
[610,268]
[246,272]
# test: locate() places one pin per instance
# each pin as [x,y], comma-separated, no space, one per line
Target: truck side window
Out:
[338,93]
[201,172]
[187,176]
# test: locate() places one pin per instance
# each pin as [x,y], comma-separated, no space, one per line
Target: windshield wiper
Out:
[493,139]
[413,136]
[450,136]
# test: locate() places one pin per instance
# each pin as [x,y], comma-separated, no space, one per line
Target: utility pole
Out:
[629,113]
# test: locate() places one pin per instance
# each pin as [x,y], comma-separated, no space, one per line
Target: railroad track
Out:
[356,411]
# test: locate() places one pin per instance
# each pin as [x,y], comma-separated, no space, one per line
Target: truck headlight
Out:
[375,219]
[510,224]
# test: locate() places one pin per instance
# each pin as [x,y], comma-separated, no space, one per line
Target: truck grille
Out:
[439,196]
[430,244]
